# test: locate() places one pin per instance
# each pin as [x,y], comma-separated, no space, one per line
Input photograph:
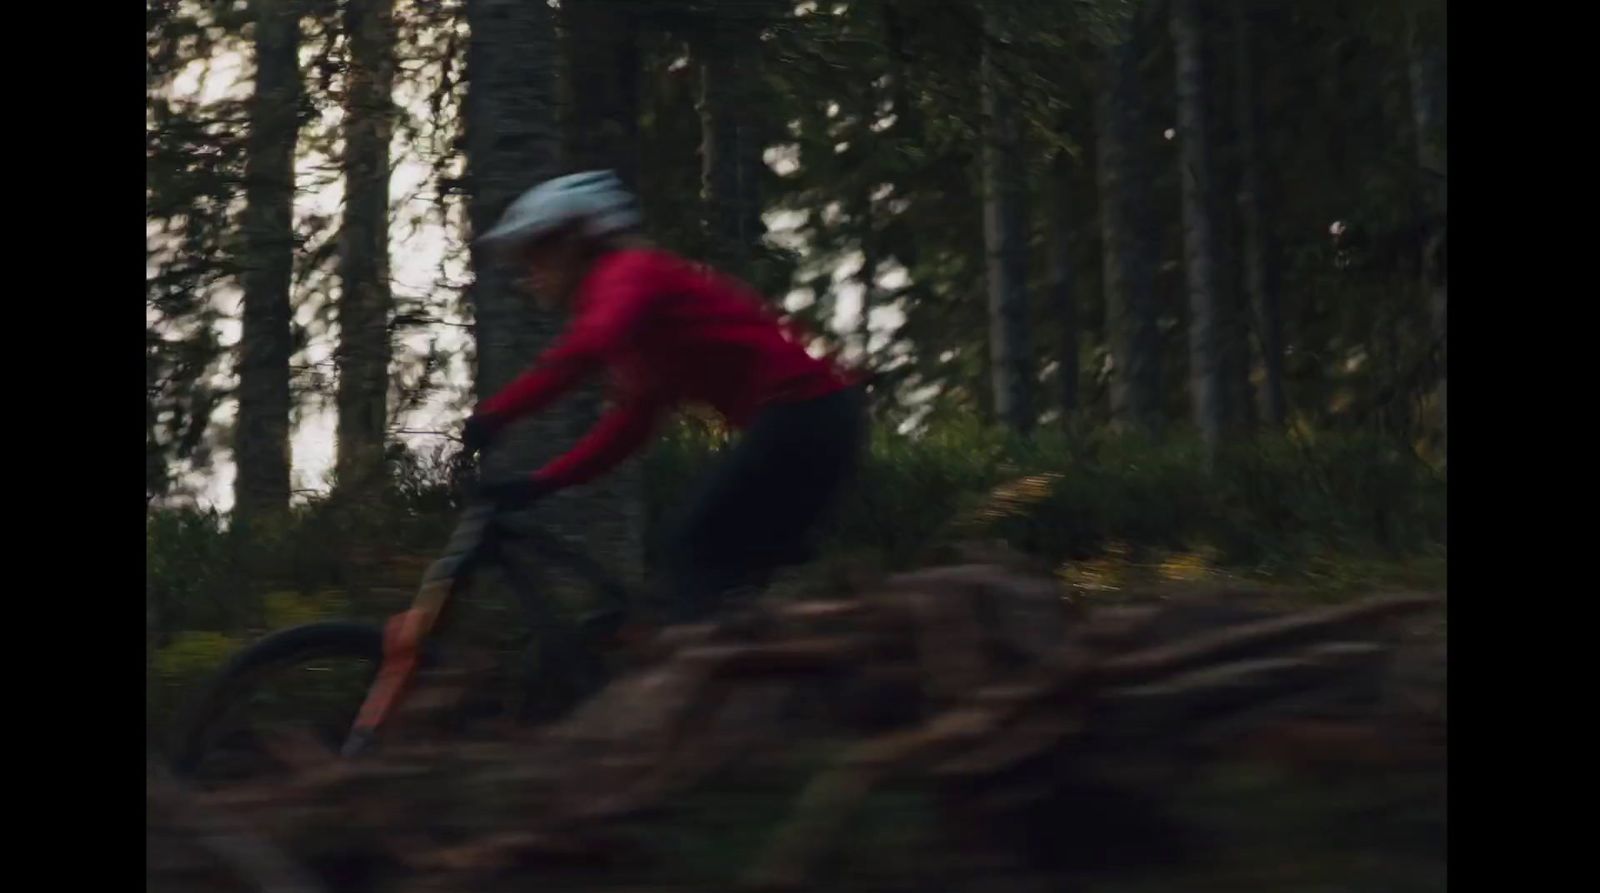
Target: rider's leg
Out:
[759,506]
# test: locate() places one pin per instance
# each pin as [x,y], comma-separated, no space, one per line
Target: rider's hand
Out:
[476,434]
[513,495]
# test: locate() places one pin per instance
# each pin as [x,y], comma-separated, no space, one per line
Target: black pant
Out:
[762,503]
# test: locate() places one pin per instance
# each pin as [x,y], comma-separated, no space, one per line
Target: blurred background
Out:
[1153,291]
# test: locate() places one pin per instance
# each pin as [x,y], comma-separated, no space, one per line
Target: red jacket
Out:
[669,332]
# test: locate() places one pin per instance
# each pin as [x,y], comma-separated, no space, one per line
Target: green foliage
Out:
[1337,514]
[876,104]
[203,574]
[189,657]
[285,609]
[187,558]
[193,653]
[1327,505]
[1259,502]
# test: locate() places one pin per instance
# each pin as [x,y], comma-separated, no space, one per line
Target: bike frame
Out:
[478,541]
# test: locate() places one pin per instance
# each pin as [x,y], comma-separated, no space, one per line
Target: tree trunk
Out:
[1261,268]
[511,144]
[155,459]
[365,300]
[867,276]
[906,133]
[1427,69]
[1063,294]
[1233,297]
[602,54]
[731,143]
[1206,382]
[602,59]
[261,444]
[1005,244]
[1128,254]
[865,218]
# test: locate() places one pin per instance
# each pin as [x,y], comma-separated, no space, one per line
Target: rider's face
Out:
[551,270]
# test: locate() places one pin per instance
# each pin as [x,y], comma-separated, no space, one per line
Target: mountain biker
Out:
[672,332]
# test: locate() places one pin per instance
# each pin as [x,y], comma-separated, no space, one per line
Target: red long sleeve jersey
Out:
[669,332]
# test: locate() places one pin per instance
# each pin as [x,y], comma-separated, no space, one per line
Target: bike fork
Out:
[402,653]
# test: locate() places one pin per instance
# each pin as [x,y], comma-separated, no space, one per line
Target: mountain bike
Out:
[352,676]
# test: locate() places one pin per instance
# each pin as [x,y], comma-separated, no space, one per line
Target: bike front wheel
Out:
[294,688]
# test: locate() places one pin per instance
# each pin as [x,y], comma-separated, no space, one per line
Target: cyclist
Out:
[670,332]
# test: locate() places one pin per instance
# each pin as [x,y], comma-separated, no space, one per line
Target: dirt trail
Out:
[960,727]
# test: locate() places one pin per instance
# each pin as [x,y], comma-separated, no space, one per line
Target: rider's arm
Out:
[614,438]
[616,305]
[555,373]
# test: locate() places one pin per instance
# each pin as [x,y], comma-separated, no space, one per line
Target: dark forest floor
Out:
[1306,805]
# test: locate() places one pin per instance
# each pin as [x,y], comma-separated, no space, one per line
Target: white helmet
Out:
[596,199]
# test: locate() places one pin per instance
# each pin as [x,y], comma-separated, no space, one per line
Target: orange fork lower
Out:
[402,651]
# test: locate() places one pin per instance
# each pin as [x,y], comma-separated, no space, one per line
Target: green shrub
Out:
[192,654]
[286,609]
[1062,496]
[1271,503]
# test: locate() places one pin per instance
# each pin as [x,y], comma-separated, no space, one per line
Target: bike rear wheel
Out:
[307,680]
